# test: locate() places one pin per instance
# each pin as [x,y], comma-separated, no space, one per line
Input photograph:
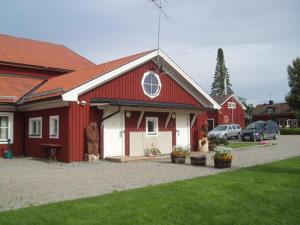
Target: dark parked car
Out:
[260,130]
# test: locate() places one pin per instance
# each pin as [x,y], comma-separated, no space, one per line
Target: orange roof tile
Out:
[58,85]
[12,88]
[38,53]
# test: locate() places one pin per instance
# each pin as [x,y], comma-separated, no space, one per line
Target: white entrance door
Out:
[182,129]
[113,136]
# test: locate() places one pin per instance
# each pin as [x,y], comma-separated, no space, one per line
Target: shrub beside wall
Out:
[290,131]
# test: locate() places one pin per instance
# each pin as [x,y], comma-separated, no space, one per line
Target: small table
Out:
[50,151]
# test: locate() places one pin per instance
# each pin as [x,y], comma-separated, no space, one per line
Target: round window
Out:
[151,84]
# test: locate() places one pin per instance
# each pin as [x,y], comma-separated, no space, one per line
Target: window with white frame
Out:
[6,127]
[151,84]
[152,126]
[35,127]
[54,127]
[231,105]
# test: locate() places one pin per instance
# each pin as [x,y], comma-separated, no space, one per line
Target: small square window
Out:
[152,126]
[35,127]
[54,127]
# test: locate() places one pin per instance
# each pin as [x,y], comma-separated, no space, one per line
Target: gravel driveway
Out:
[26,181]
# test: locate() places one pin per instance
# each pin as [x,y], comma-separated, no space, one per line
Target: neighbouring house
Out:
[49,94]
[232,112]
[278,112]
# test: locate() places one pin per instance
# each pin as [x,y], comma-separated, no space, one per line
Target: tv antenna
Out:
[158,4]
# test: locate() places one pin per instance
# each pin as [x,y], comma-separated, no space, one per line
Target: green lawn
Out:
[240,145]
[267,194]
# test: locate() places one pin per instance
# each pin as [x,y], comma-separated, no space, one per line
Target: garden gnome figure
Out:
[203,142]
[92,136]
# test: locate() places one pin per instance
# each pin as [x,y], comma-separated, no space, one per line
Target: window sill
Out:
[30,136]
[5,142]
[54,137]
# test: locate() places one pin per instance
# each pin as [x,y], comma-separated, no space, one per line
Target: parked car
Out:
[260,130]
[225,131]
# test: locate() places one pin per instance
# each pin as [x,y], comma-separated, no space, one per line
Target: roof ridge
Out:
[30,39]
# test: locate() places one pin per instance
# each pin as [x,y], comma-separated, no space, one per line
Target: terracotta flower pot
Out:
[198,160]
[178,159]
[221,163]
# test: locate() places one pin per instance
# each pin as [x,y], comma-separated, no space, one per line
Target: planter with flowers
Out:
[178,155]
[222,157]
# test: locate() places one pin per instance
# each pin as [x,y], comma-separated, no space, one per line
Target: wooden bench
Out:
[50,150]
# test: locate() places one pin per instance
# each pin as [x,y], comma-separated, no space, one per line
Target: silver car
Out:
[225,131]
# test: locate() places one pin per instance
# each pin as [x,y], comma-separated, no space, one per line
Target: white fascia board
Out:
[189,79]
[73,94]
[236,99]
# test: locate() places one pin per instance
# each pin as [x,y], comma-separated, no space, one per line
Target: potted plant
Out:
[178,155]
[222,157]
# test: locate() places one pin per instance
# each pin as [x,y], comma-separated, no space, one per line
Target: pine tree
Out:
[293,98]
[221,73]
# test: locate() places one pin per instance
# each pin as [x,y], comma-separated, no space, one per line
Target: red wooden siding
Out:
[17,146]
[236,115]
[128,86]
[32,145]
[131,126]
[79,118]
[196,130]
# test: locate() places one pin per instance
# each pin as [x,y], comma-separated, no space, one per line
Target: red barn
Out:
[50,94]
[232,112]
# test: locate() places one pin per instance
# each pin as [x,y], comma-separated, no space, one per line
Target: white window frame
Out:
[231,105]
[51,128]
[30,127]
[159,84]
[10,128]
[155,120]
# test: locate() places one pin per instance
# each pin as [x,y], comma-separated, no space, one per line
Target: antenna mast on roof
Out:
[158,4]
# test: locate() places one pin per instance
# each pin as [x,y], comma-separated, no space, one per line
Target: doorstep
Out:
[135,158]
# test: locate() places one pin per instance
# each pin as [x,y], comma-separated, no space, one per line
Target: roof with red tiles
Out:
[15,50]
[12,88]
[58,85]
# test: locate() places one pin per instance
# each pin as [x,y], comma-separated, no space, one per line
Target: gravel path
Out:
[26,181]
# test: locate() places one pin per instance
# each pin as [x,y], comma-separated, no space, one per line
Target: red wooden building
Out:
[232,112]
[49,94]
[278,112]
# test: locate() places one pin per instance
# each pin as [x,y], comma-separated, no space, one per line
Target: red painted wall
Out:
[131,126]
[4,69]
[32,145]
[17,146]
[128,86]
[79,118]
[236,115]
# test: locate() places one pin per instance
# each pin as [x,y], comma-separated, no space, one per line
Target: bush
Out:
[290,131]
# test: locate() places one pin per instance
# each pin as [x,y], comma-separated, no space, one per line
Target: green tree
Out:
[249,107]
[293,97]
[221,73]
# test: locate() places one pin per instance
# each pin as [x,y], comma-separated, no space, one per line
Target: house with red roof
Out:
[49,94]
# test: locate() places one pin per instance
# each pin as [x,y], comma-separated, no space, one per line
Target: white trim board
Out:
[236,99]
[73,94]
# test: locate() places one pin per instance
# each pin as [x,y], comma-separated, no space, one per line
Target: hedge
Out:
[290,131]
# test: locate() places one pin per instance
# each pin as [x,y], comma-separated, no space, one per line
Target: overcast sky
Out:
[259,37]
